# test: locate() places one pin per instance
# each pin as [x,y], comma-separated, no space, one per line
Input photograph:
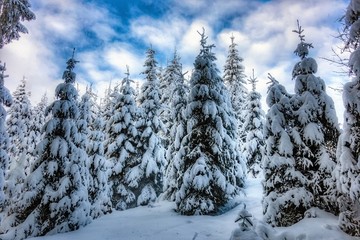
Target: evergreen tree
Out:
[348,152]
[166,87]
[11,13]
[6,100]
[285,196]
[316,119]
[234,79]
[146,175]
[21,147]
[18,121]
[99,191]
[177,127]
[121,147]
[309,130]
[209,175]
[253,127]
[108,102]
[55,197]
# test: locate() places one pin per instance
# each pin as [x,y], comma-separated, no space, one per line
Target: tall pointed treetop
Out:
[66,90]
[127,81]
[2,73]
[302,49]
[69,76]
[307,65]
[253,80]
[205,48]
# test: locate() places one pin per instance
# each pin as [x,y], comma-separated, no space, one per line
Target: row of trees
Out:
[173,140]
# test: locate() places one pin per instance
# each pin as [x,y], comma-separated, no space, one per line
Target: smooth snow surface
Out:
[160,222]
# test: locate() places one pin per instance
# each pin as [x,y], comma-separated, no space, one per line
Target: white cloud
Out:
[27,57]
[120,55]
[36,55]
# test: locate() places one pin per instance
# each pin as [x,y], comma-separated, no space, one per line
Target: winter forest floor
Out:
[161,222]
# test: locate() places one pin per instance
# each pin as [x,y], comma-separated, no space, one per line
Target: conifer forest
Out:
[192,141]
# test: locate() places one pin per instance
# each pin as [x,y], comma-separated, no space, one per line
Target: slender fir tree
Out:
[5,100]
[121,147]
[253,127]
[166,87]
[99,191]
[348,152]
[18,122]
[235,80]
[55,197]
[177,132]
[146,175]
[210,174]
[108,102]
[21,145]
[316,119]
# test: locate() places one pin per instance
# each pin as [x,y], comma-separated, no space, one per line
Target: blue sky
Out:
[110,34]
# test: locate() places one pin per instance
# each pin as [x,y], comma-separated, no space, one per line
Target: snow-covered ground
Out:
[161,222]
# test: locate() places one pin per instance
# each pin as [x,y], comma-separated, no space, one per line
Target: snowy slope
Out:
[160,222]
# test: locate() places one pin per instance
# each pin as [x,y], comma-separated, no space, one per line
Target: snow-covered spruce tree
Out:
[121,147]
[21,145]
[253,127]
[166,87]
[177,105]
[6,100]
[108,102]
[210,173]
[18,121]
[348,152]
[55,197]
[146,174]
[316,119]
[99,190]
[11,13]
[286,197]
[235,80]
